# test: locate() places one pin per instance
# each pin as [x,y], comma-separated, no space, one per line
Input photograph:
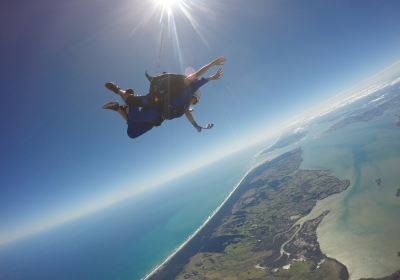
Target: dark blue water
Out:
[127,240]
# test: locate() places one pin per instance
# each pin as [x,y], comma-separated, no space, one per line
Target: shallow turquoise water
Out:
[127,240]
[362,231]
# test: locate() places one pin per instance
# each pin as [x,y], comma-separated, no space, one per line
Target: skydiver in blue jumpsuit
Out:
[142,113]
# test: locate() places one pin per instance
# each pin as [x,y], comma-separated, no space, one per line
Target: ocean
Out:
[128,240]
[362,230]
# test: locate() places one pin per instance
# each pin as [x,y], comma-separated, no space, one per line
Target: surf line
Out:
[158,267]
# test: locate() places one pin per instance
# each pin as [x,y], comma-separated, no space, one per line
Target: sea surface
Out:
[128,240]
[362,230]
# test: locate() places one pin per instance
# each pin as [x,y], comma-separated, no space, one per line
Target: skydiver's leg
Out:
[129,96]
[136,101]
[135,129]
[114,106]
[131,99]
[124,94]
[123,113]
[141,120]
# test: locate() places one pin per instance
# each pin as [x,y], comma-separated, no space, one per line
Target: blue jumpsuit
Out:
[142,118]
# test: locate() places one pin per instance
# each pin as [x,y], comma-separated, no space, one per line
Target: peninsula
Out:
[261,231]
[254,235]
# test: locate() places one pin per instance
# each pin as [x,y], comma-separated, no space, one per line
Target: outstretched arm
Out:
[190,118]
[199,128]
[218,61]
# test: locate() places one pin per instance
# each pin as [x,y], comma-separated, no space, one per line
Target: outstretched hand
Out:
[217,74]
[200,128]
[219,61]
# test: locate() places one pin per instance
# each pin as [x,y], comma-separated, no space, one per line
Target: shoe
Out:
[130,91]
[113,87]
[111,106]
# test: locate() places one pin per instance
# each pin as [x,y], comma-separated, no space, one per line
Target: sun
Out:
[169,13]
[167,4]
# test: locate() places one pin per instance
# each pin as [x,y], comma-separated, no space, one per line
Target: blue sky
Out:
[59,149]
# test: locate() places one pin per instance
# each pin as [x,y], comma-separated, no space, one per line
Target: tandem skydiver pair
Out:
[170,96]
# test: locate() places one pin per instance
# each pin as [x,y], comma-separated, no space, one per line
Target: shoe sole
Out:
[113,87]
[111,106]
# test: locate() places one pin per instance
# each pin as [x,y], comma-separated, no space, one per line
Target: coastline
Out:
[282,164]
[182,252]
[202,226]
[346,234]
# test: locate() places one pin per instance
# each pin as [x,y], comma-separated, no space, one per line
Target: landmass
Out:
[256,234]
[287,139]
[367,114]
[378,182]
[261,231]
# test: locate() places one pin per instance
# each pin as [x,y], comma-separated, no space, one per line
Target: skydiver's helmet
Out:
[197,96]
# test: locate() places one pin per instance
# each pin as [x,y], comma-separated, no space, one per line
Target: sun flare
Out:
[167,4]
[170,14]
